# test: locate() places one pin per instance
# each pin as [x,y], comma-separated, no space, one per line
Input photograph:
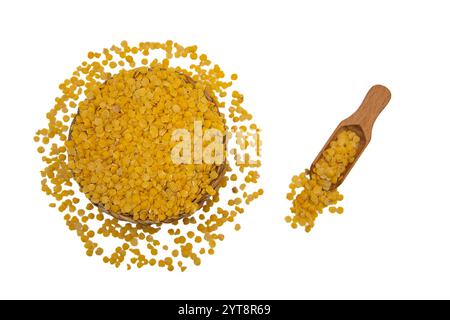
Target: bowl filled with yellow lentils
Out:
[138,148]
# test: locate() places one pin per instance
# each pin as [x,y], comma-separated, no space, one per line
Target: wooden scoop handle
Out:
[375,101]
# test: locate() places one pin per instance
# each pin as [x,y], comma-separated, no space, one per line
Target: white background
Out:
[303,66]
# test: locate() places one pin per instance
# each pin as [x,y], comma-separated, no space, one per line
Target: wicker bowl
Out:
[201,197]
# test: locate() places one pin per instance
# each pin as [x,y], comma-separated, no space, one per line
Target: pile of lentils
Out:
[316,187]
[108,155]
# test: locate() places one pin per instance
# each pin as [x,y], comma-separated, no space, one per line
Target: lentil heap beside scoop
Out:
[112,132]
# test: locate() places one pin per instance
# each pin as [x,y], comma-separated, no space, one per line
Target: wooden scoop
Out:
[360,122]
